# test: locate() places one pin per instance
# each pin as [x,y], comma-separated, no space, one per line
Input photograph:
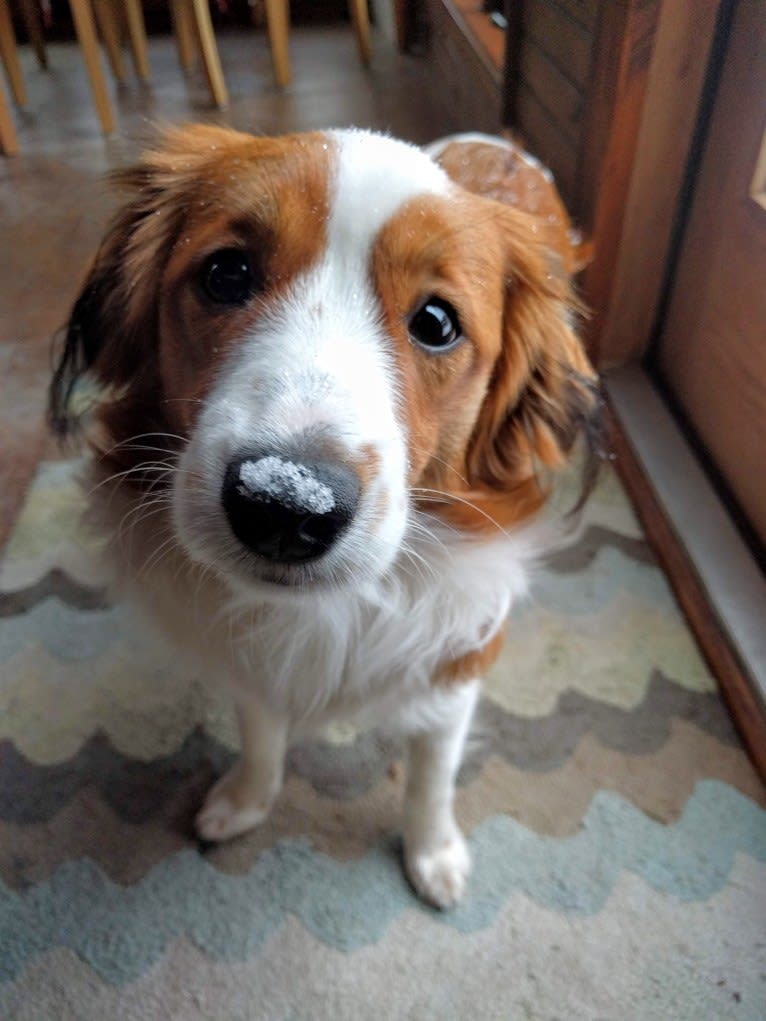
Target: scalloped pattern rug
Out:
[617,826]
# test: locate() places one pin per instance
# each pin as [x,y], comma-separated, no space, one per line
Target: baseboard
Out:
[714,576]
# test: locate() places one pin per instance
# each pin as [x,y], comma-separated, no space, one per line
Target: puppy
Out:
[331,386]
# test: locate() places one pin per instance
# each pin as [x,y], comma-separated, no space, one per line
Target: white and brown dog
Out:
[331,379]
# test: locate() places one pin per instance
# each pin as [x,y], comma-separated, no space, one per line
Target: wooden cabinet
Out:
[547,81]
[470,81]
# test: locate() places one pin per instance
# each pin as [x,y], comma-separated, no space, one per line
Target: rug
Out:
[617,827]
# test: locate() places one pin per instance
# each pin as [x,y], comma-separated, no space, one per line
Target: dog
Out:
[332,387]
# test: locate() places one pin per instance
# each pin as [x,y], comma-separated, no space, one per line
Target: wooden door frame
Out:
[713,573]
[640,212]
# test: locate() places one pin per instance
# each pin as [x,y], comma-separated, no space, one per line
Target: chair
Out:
[82,15]
[33,22]
[109,13]
[8,142]
[85,27]
[193,26]
[193,30]
[114,16]
[10,56]
[278,24]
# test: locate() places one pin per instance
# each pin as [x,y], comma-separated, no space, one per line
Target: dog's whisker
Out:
[140,515]
[419,563]
[149,448]
[154,559]
[145,466]
[419,528]
[144,436]
[452,497]
[439,460]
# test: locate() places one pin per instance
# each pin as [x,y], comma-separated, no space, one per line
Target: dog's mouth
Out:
[359,555]
[259,575]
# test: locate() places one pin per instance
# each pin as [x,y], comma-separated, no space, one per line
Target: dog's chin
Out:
[250,578]
[283,582]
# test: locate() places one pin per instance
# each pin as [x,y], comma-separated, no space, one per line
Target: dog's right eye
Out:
[226,277]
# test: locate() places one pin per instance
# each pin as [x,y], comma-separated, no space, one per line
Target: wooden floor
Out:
[54,204]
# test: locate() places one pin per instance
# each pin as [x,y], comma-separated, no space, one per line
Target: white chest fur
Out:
[368,655]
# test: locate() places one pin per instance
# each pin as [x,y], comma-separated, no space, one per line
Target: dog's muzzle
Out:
[286,510]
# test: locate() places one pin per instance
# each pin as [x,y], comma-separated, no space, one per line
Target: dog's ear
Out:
[97,338]
[112,330]
[544,392]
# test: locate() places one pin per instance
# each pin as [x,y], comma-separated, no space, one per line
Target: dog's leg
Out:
[243,797]
[436,855]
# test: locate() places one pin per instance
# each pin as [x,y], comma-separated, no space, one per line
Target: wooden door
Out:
[712,349]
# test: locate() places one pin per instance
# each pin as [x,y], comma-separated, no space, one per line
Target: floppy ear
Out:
[544,392]
[97,337]
[112,329]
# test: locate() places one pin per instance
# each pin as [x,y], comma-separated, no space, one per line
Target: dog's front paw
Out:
[234,805]
[439,876]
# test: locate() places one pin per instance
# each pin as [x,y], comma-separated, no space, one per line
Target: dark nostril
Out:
[321,528]
[286,510]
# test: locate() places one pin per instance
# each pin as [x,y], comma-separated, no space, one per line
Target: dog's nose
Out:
[288,511]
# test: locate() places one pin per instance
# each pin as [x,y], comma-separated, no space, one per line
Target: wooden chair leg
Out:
[183,23]
[109,26]
[86,36]
[402,16]
[278,24]
[137,37]
[33,23]
[209,50]
[8,142]
[360,18]
[10,55]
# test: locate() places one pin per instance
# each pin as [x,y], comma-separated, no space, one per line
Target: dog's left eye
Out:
[226,277]
[435,326]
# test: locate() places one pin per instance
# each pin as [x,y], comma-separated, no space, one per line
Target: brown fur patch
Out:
[473,664]
[369,463]
[437,246]
[484,417]
[141,324]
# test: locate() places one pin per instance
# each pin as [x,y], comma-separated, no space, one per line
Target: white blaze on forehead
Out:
[375,176]
[330,358]
[293,485]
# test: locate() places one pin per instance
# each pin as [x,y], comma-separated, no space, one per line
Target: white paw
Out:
[439,876]
[233,805]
